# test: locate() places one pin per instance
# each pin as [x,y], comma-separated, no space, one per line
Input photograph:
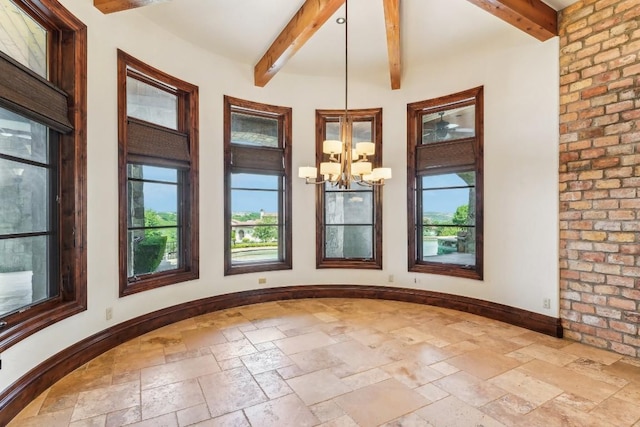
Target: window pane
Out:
[349,208]
[245,180]
[349,241]
[152,204]
[248,129]
[447,125]
[153,251]
[24,198]
[255,202]
[151,104]
[362,132]
[449,206]
[24,272]
[449,245]
[333,130]
[21,137]
[22,38]
[152,173]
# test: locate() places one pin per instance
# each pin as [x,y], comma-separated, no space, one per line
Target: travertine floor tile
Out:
[470,389]
[344,363]
[229,391]
[168,373]
[318,386]
[381,402]
[452,412]
[287,411]
[170,398]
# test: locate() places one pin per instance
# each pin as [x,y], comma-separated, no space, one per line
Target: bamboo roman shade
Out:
[149,140]
[445,155]
[26,93]
[251,158]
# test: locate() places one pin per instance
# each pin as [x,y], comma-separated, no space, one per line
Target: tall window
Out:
[158,122]
[257,170]
[349,226]
[444,175]
[42,167]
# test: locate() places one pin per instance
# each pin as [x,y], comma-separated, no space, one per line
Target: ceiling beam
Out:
[111,6]
[534,17]
[392,23]
[295,34]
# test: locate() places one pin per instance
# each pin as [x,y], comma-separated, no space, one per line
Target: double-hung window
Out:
[444,175]
[349,226]
[158,176]
[42,167]
[257,170]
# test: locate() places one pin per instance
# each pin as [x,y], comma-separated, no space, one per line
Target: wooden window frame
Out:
[67,50]
[187,95]
[375,263]
[414,138]
[268,154]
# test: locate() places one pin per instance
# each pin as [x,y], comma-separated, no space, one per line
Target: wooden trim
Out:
[284,115]
[69,73]
[322,116]
[188,124]
[111,6]
[413,141]
[534,17]
[392,24]
[304,24]
[19,394]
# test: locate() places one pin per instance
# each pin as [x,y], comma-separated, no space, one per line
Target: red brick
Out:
[609,334]
[623,303]
[619,106]
[618,172]
[623,349]
[590,320]
[621,281]
[627,328]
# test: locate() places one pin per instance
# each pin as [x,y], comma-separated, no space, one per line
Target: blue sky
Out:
[444,200]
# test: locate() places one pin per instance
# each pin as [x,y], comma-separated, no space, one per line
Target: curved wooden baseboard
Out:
[28,387]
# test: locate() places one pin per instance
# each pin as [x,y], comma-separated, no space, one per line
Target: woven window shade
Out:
[26,93]
[445,155]
[256,158]
[149,140]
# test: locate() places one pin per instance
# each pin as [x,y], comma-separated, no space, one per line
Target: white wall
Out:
[520,77]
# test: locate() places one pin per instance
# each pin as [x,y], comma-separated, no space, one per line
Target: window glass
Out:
[255,223]
[24,272]
[444,155]
[448,218]
[447,125]
[257,199]
[154,219]
[27,253]
[349,241]
[247,129]
[23,138]
[151,104]
[348,216]
[22,38]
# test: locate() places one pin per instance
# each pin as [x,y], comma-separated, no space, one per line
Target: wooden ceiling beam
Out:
[392,23]
[111,6]
[295,34]
[534,17]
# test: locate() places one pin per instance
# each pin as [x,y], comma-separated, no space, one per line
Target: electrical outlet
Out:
[262,280]
[109,313]
[391,278]
[546,303]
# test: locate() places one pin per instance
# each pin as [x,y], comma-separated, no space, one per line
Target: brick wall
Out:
[600,173]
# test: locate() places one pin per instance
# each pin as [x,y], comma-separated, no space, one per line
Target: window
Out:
[158,176]
[42,167]
[257,170]
[444,175]
[349,229]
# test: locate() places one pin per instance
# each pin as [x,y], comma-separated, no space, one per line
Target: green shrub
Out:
[148,254]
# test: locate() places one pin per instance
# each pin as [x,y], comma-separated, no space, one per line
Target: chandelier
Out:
[346,164]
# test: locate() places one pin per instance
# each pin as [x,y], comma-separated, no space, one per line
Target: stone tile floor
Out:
[344,362]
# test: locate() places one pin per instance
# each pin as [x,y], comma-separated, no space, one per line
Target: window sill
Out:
[447,270]
[146,283]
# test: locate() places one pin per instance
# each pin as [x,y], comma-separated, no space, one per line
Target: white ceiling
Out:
[244,29]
